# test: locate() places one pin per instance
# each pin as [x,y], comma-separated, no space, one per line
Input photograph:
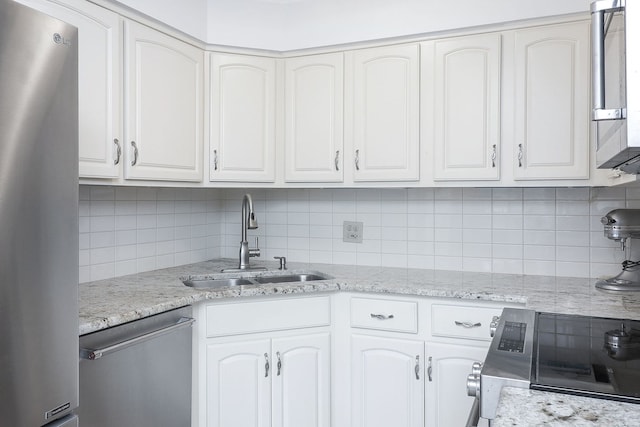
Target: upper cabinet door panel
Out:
[164,100]
[242,121]
[466,95]
[314,118]
[385,112]
[552,102]
[99,83]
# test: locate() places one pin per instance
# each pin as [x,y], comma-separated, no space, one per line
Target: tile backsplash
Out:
[539,231]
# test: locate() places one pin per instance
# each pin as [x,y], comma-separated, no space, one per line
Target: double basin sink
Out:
[223,280]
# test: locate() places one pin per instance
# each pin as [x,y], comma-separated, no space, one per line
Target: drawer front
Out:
[263,316]
[384,315]
[462,321]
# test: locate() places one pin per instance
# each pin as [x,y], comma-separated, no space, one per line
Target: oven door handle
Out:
[474,415]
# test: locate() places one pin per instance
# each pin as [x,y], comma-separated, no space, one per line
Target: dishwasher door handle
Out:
[95,354]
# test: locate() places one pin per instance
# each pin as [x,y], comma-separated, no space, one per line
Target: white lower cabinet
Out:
[448,366]
[387,382]
[269,382]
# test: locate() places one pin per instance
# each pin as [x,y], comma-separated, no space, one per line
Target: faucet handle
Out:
[255,252]
[283,262]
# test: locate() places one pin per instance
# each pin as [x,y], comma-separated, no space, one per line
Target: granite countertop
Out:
[111,302]
[114,301]
[524,407]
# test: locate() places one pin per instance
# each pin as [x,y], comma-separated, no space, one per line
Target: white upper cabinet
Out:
[382,120]
[164,100]
[461,92]
[242,118]
[551,111]
[99,83]
[314,118]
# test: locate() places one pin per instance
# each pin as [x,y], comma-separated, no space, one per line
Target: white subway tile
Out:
[573,207]
[126,237]
[508,222]
[477,264]
[448,249]
[344,258]
[572,238]
[102,207]
[573,193]
[146,264]
[572,254]
[572,269]
[103,239]
[539,222]
[539,253]
[102,255]
[476,207]
[84,274]
[539,268]
[539,237]
[539,207]
[102,193]
[507,266]
[476,235]
[126,252]
[102,271]
[448,235]
[539,194]
[447,262]
[507,194]
[420,261]
[506,207]
[368,258]
[507,251]
[476,250]
[126,207]
[572,223]
[447,221]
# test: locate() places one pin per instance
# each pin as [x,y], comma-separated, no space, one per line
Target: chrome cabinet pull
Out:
[135,153]
[266,365]
[357,160]
[520,155]
[381,316]
[493,156]
[279,364]
[468,325]
[417,368]
[337,159]
[430,369]
[118,151]
[215,160]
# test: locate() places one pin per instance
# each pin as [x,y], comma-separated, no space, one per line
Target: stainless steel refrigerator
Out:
[38,219]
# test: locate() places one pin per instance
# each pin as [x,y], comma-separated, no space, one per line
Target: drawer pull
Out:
[266,365]
[381,316]
[430,369]
[417,368]
[468,325]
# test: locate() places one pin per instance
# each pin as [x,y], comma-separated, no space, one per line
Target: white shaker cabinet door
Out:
[552,111]
[387,382]
[464,92]
[448,366]
[239,384]
[99,83]
[314,118]
[383,101]
[242,118]
[301,381]
[164,106]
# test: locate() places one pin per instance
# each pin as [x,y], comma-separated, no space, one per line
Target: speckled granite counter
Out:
[111,302]
[524,407]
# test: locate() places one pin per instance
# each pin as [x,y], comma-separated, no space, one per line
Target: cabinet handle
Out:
[381,316]
[118,151]
[357,160]
[520,155]
[468,325]
[215,160]
[266,365]
[430,369]
[417,368]
[337,159]
[135,153]
[493,156]
[279,364]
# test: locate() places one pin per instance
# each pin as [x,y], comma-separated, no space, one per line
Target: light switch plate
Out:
[352,231]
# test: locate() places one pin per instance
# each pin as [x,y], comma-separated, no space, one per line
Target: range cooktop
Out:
[590,356]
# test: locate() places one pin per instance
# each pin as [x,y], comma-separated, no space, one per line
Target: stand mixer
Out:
[621,225]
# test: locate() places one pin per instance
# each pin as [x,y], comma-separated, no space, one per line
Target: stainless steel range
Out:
[580,355]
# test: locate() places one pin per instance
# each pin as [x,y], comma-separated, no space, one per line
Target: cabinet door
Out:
[313,118]
[552,102]
[384,105]
[301,381]
[239,384]
[387,382]
[99,83]
[163,98]
[242,118]
[449,365]
[466,106]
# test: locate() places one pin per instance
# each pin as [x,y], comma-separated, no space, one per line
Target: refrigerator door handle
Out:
[95,354]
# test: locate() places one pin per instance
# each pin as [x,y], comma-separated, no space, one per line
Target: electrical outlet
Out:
[352,231]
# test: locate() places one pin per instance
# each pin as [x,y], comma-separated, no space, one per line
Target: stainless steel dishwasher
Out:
[138,374]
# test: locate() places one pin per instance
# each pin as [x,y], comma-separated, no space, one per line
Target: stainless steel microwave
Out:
[616,83]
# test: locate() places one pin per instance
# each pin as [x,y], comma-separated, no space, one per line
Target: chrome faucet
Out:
[248,222]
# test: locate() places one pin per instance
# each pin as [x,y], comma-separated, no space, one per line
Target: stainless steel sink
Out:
[223,280]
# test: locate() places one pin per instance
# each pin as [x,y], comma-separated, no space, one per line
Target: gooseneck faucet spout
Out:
[248,222]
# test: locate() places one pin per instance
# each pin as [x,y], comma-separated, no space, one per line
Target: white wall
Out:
[295,24]
[552,231]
